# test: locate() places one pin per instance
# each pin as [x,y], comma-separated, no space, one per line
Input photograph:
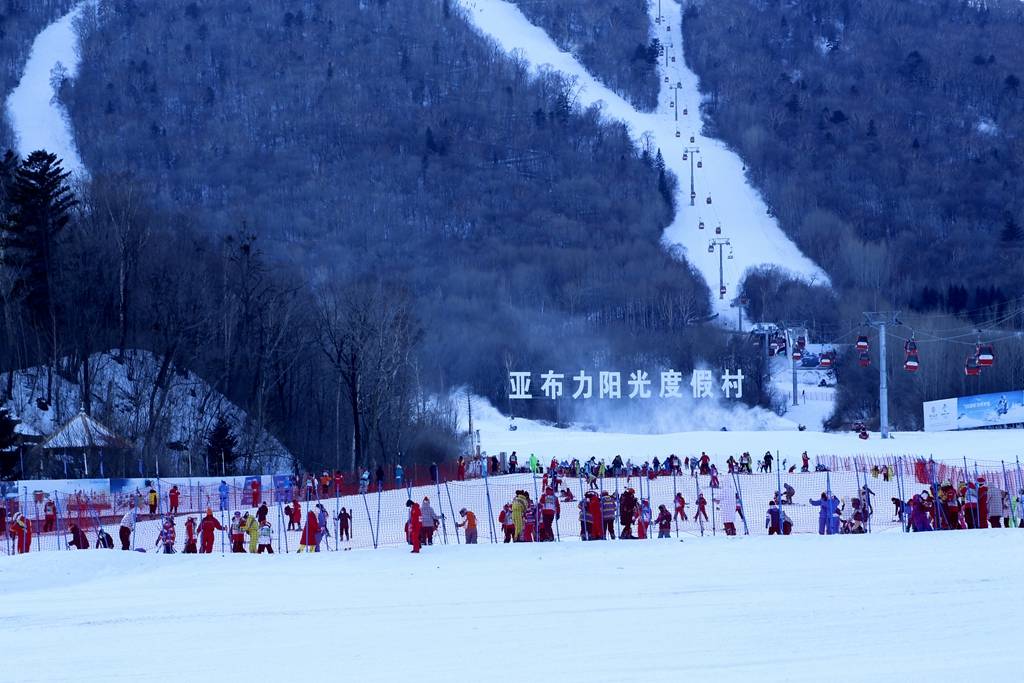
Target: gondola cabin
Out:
[709,199]
[797,356]
[700,226]
[912,363]
[718,229]
[986,355]
[825,361]
[691,139]
[971,367]
[862,343]
[864,360]
[700,164]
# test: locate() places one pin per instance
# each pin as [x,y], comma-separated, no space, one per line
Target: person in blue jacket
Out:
[826,513]
[223,491]
[398,475]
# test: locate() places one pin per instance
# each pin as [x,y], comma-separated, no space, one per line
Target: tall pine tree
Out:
[220,447]
[39,202]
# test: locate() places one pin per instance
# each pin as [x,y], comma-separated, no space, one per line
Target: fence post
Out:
[700,522]
[743,509]
[490,510]
[451,506]
[583,510]
[902,512]
[369,520]
[778,494]
[284,527]
[440,505]
[829,505]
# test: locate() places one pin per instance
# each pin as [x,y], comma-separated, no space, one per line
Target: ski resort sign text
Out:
[639,385]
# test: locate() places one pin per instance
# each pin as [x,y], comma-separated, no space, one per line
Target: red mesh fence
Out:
[865,493]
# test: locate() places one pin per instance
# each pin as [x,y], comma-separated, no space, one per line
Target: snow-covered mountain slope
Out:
[755,237]
[736,609]
[38,118]
[125,398]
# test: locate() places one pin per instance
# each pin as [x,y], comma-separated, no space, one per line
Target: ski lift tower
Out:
[880,319]
[793,331]
[719,243]
[690,152]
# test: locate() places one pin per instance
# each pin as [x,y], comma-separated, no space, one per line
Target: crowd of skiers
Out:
[970,505]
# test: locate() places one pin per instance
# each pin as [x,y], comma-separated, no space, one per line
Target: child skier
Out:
[680,508]
[190,536]
[664,522]
[344,518]
[236,533]
[252,528]
[414,524]
[166,538]
[21,532]
[265,536]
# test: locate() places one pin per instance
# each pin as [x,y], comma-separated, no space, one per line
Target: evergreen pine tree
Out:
[39,204]
[8,459]
[220,446]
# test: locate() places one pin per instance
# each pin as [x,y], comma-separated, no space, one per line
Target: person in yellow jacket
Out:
[251,527]
[518,512]
[152,498]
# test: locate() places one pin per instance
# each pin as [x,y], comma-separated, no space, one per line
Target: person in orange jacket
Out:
[307,541]
[206,529]
[468,521]
[21,531]
[414,524]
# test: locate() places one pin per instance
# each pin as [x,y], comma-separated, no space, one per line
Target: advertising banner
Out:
[971,412]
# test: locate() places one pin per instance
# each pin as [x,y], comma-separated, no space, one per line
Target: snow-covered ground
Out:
[38,118]
[755,237]
[867,608]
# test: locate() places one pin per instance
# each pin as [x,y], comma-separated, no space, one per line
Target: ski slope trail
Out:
[37,116]
[755,238]
[807,608]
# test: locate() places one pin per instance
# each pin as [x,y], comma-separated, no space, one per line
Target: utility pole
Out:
[879,319]
[690,152]
[718,243]
[792,330]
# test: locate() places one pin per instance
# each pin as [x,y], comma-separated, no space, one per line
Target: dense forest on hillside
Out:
[327,240]
[888,138]
[612,38]
[20,22]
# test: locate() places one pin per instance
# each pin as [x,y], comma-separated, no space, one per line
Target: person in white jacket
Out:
[127,527]
[265,537]
[995,507]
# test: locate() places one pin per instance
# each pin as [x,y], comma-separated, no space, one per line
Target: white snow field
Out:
[906,607]
[38,118]
[756,238]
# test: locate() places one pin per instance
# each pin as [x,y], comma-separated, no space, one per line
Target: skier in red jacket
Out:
[173,496]
[190,535]
[414,524]
[21,532]
[596,530]
[296,513]
[206,529]
[702,504]
[307,541]
[49,516]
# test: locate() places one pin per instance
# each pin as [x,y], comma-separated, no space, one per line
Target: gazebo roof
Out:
[83,431]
